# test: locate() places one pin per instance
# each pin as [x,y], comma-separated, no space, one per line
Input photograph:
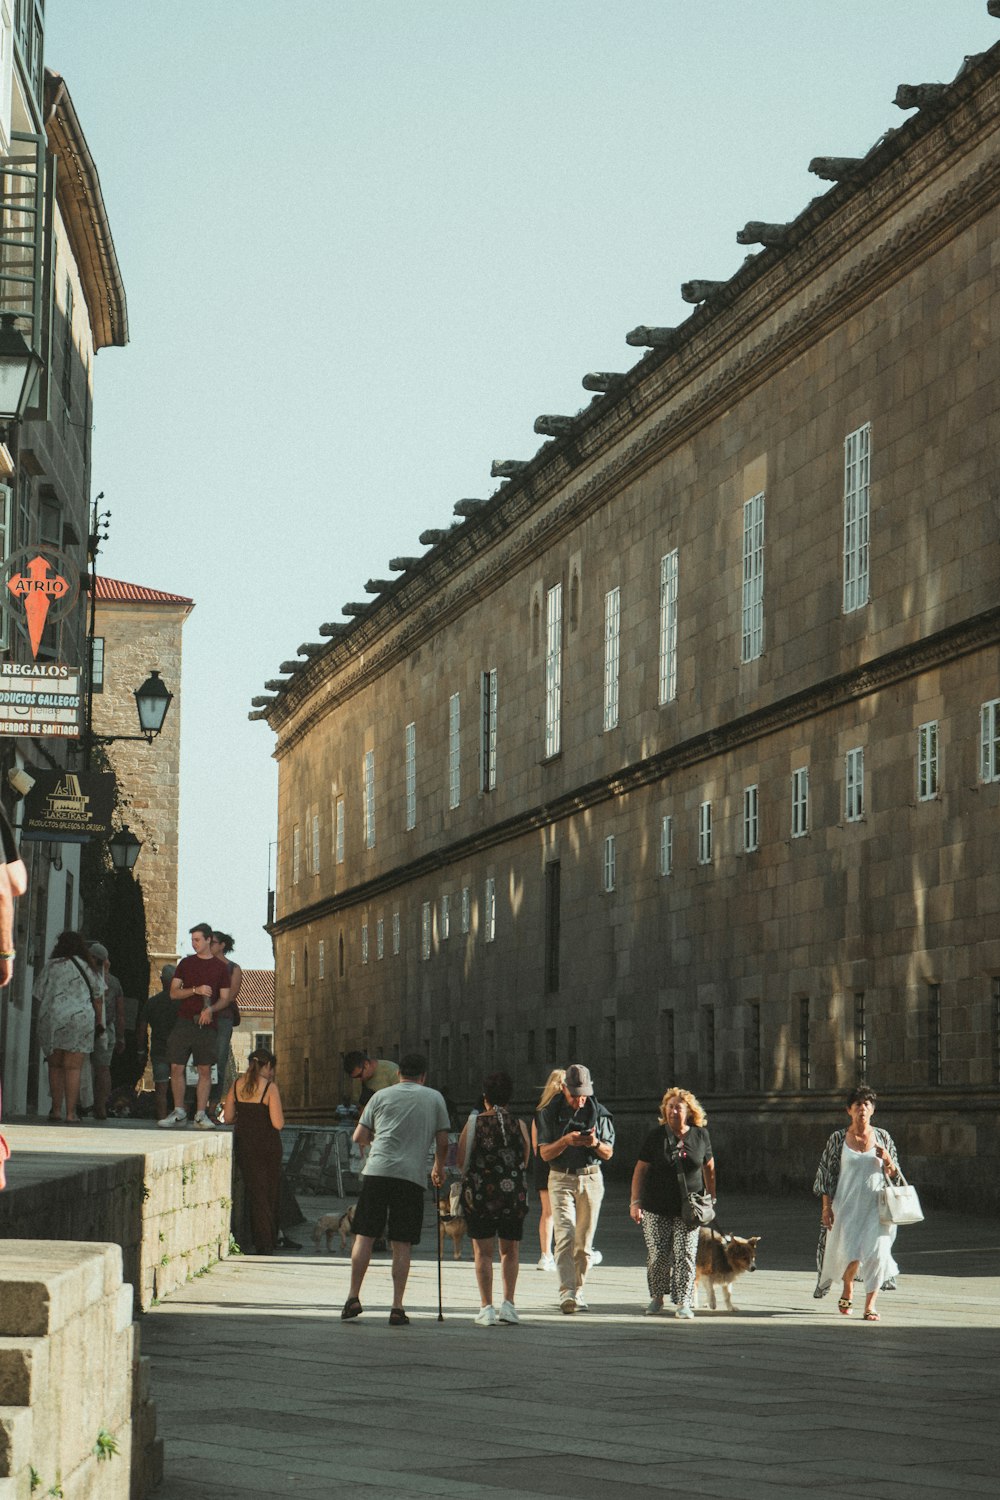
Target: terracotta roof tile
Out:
[113,591]
[257,992]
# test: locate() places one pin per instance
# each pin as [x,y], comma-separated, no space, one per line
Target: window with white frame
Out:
[338,837]
[315,844]
[488,731]
[612,653]
[668,627]
[608,875]
[466,911]
[364,941]
[379,937]
[291,967]
[96,652]
[454,750]
[800,802]
[490,912]
[854,785]
[425,930]
[445,917]
[296,854]
[369,808]
[321,959]
[989,741]
[666,844]
[751,841]
[753,578]
[395,934]
[857,474]
[553,670]
[927,761]
[410,739]
[705,833]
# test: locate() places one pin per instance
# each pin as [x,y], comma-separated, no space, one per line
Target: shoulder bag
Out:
[898,1202]
[457,1188]
[697,1209]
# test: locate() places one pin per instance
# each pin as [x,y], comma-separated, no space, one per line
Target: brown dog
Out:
[452,1225]
[721,1258]
[329,1225]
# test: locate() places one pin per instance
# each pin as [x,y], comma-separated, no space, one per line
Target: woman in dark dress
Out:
[254,1105]
[493,1152]
[680,1144]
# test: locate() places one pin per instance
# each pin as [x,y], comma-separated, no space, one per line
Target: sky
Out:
[365,244]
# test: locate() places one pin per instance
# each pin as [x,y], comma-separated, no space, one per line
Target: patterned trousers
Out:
[670,1255]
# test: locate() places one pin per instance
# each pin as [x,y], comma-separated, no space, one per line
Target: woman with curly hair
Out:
[493,1151]
[680,1146]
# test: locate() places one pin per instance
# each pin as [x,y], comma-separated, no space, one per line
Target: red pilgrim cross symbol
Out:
[37,587]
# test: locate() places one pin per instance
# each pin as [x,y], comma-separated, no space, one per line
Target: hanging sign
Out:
[43,698]
[69,807]
[38,586]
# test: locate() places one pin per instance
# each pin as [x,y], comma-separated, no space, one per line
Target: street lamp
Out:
[19,367]
[152,700]
[124,849]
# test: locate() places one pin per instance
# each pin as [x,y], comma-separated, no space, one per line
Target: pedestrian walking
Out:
[156,1020]
[576,1135]
[540,1173]
[493,1152]
[201,985]
[109,1042]
[222,945]
[253,1104]
[679,1147]
[69,992]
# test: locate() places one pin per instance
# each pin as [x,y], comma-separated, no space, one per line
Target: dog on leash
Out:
[330,1225]
[720,1259]
[452,1225]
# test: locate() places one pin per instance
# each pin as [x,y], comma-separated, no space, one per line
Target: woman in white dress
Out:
[854,1243]
[70,995]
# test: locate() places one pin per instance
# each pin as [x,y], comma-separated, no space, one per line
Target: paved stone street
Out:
[261,1390]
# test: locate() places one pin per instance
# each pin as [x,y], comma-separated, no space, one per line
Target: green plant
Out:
[36,1478]
[226,1202]
[106,1448]
[234,1248]
[164,1260]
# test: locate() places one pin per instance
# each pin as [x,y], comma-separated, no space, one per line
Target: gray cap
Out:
[99,951]
[578,1079]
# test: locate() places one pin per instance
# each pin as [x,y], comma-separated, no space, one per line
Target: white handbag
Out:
[898,1203]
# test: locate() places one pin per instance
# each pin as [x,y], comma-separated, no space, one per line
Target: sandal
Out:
[872,1317]
[398,1318]
[844,1304]
[351,1308]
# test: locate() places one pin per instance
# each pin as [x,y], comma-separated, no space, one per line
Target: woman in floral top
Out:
[493,1151]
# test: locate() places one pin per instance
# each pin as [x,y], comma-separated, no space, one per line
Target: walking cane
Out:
[439,1237]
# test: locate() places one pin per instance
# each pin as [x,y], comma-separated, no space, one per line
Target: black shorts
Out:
[392,1198]
[539,1174]
[485,1229]
[187,1037]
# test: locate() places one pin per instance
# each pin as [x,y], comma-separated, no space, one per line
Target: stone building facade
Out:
[681,755]
[137,629]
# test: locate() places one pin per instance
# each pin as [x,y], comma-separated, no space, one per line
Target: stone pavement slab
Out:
[783,1398]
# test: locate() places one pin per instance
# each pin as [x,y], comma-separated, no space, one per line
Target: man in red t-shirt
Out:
[201,985]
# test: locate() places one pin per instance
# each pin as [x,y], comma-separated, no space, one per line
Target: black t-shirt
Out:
[661,1191]
[558,1119]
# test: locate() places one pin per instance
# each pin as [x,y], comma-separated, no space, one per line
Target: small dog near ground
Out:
[452,1225]
[330,1225]
[721,1258]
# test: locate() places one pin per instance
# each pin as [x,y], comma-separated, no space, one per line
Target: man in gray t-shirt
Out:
[399,1124]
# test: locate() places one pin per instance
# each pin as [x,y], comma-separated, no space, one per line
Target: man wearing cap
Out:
[575,1135]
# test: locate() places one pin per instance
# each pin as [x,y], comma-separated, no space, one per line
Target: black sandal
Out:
[398,1318]
[351,1308]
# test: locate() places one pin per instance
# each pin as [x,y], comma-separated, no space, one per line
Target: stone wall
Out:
[75,1411]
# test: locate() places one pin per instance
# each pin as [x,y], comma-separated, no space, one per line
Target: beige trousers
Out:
[576,1203]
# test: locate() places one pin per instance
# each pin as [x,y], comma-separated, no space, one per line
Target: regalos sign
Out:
[40,585]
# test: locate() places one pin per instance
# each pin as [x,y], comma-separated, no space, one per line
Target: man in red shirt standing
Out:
[201,985]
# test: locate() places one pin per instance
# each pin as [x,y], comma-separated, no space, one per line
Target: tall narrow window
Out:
[454,750]
[410,742]
[666,844]
[805,1057]
[934,1061]
[612,649]
[445,917]
[552,920]
[753,578]
[488,731]
[551,1052]
[380,937]
[425,930]
[668,1052]
[610,1060]
[750,820]
[291,967]
[857,474]
[989,741]
[608,878]
[339,834]
[854,785]
[364,941]
[296,854]
[490,911]
[340,956]
[800,802]
[711,1067]
[67,354]
[466,910]
[369,810]
[321,959]
[927,761]
[996,1028]
[315,844]
[553,670]
[705,833]
[860,1037]
[668,627]
[755,1068]
[96,647]
[395,934]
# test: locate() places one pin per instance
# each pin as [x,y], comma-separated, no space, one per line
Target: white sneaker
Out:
[486,1317]
[202,1122]
[547,1263]
[596,1257]
[684,1312]
[654,1307]
[567,1302]
[582,1305]
[175,1117]
[508,1313]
